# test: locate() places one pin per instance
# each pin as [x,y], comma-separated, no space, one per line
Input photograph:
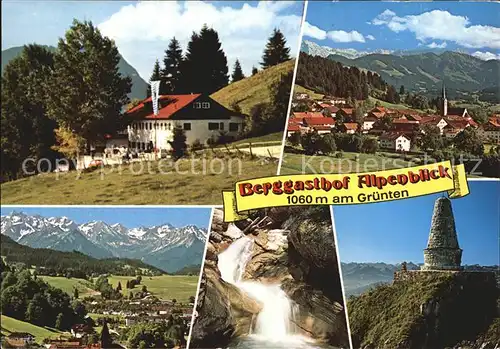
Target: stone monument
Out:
[443,251]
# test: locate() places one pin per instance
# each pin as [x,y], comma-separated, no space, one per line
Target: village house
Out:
[201,118]
[395,141]
[368,122]
[20,339]
[348,127]
[491,129]
[80,330]
[347,113]
[301,96]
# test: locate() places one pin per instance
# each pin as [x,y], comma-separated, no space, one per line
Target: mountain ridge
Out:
[422,71]
[164,246]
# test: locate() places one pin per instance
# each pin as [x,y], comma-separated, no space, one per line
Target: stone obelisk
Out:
[443,251]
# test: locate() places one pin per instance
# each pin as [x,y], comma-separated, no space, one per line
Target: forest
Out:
[332,78]
[28,298]
[71,264]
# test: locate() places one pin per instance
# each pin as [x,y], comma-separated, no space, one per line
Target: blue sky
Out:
[469,26]
[397,231]
[143,29]
[129,217]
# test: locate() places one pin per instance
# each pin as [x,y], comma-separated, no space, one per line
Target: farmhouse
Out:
[395,141]
[201,118]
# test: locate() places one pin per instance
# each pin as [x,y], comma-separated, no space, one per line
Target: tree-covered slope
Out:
[75,261]
[427,71]
[431,310]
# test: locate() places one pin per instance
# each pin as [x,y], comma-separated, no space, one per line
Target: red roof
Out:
[293,127]
[319,121]
[308,115]
[322,127]
[351,125]
[404,121]
[177,102]
[347,111]
[494,121]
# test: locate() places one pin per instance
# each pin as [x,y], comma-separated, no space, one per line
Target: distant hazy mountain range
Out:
[360,277]
[164,246]
[139,86]
[418,70]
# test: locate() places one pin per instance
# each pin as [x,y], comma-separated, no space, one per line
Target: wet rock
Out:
[224,312]
[211,252]
[320,316]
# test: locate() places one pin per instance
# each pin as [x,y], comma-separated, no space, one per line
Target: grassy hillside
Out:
[163,183]
[44,257]
[179,287]
[68,285]
[253,89]
[10,325]
[403,314]
[311,93]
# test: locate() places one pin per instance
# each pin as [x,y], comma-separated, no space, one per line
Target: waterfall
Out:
[274,320]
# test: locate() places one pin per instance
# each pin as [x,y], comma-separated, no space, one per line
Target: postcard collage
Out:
[250,174]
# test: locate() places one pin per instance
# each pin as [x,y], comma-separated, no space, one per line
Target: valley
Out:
[165,247]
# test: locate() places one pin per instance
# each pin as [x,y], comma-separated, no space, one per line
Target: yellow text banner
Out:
[344,189]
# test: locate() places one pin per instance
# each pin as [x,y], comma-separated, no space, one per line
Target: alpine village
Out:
[353,114]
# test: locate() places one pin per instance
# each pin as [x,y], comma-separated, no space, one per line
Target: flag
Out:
[155,89]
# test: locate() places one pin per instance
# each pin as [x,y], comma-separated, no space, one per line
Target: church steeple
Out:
[444,106]
[443,251]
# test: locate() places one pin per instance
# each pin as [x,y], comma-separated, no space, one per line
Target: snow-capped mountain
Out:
[165,246]
[314,49]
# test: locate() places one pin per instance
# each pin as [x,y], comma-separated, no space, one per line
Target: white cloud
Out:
[335,35]
[314,32]
[343,36]
[442,25]
[436,45]
[143,30]
[486,56]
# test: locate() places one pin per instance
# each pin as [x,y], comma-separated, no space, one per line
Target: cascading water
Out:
[273,323]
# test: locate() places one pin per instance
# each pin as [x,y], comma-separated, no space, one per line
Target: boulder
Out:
[218,223]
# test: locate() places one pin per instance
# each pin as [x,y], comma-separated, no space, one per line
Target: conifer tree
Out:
[237,72]
[76,293]
[119,287]
[254,71]
[87,92]
[106,340]
[155,75]
[204,69]
[171,72]
[276,51]
[178,144]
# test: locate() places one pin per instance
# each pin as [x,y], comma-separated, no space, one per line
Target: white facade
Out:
[368,124]
[146,133]
[398,144]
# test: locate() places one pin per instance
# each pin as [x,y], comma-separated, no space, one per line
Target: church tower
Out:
[442,252]
[444,101]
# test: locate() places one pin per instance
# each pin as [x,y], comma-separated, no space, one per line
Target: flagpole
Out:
[155,89]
